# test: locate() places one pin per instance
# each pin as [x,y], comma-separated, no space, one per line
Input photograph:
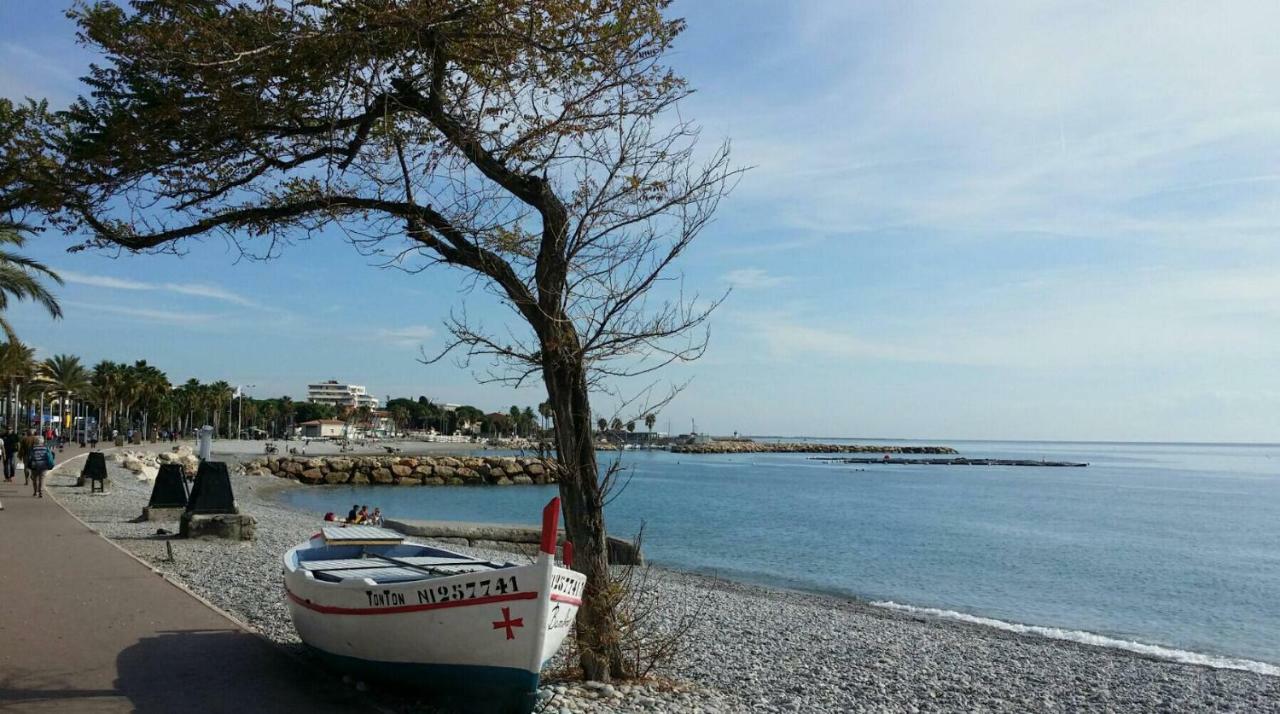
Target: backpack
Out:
[48,458]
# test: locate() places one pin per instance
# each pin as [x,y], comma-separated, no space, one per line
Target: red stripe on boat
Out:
[335,610]
[557,597]
[551,526]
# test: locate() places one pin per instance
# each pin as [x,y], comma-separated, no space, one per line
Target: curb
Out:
[166,577]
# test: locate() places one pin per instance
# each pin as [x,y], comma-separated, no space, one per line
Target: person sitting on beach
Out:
[363,515]
[376,518]
[329,517]
[351,515]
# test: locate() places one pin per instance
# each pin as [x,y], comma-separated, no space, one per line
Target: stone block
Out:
[168,515]
[227,526]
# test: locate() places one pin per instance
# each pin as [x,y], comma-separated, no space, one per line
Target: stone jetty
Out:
[961,461]
[744,446]
[407,471]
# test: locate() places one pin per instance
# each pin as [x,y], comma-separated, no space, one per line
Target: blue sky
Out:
[964,220]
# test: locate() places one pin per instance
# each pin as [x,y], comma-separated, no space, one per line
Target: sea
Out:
[1171,550]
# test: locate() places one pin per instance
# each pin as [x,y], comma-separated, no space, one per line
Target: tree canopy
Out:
[526,143]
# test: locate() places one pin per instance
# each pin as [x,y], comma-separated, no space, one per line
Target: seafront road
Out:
[85,627]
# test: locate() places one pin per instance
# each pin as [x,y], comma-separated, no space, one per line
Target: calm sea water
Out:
[1169,545]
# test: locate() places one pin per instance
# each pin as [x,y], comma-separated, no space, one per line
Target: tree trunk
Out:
[597,629]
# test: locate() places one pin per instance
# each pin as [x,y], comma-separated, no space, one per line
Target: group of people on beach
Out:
[359,515]
[37,458]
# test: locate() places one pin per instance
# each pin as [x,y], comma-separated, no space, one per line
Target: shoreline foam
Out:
[1170,654]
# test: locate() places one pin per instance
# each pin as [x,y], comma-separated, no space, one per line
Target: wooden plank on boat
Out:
[431,561]
[347,564]
[378,575]
[361,535]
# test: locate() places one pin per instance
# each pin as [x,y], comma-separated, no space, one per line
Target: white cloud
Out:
[410,336]
[194,289]
[1157,318]
[176,317]
[1120,120]
[753,279]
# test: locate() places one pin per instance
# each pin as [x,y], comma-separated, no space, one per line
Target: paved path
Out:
[86,628]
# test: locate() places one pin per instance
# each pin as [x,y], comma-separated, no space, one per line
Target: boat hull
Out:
[484,688]
[481,633]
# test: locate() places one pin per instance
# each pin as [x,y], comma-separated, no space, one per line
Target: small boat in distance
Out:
[368,603]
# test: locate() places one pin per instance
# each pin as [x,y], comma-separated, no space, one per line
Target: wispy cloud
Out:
[410,336]
[212,292]
[958,122]
[176,317]
[753,279]
[1060,320]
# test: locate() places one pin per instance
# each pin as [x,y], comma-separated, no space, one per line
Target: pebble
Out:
[750,648]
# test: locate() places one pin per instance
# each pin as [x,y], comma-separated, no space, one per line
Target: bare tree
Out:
[530,144]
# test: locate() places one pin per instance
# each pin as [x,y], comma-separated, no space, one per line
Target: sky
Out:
[963,220]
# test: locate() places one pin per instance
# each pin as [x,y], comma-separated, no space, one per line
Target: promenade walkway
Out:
[86,628]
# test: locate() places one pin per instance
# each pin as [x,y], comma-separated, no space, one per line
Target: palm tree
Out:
[189,398]
[287,410]
[20,277]
[401,417]
[219,394]
[649,420]
[106,380]
[66,377]
[17,367]
[514,414]
[546,412]
[151,386]
[602,424]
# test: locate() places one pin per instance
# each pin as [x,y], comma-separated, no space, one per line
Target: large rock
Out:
[311,476]
[401,471]
[382,475]
[340,464]
[336,477]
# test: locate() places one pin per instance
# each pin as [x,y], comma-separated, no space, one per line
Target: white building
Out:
[340,395]
[323,428]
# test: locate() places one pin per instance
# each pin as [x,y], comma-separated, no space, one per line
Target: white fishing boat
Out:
[368,603]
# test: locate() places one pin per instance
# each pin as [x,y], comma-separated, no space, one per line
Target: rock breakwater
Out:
[800,447]
[407,471]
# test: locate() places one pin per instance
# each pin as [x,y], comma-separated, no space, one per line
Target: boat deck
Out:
[385,569]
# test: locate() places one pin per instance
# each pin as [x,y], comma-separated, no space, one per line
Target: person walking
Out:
[25,444]
[10,441]
[41,460]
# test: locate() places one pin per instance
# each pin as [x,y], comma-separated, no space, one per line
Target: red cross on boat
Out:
[508,623]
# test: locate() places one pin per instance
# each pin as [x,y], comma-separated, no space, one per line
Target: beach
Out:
[750,648]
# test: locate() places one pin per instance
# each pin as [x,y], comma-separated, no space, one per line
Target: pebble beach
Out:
[748,649]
